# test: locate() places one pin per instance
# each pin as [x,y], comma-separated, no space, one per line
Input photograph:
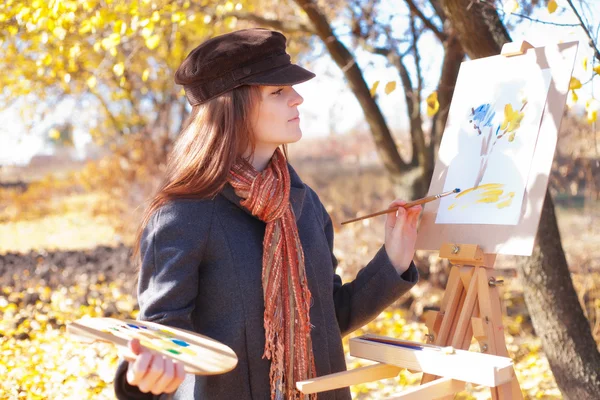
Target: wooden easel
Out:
[471,308]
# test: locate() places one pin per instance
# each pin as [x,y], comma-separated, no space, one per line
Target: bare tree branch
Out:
[417,57]
[280,25]
[415,10]
[411,96]
[438,10]
[346,61]
[539,21]
[592,43]
[109,114]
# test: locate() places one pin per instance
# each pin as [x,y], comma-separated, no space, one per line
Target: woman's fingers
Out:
[397,203]
[179,375]
[413,215]
[165,378]
[135,346]
[153,373]
[403,216]
[137,369]
[390,220]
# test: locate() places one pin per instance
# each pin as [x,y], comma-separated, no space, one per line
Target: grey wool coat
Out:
[201,271]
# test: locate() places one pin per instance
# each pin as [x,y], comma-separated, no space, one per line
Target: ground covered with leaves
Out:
[44,291]
[41,293]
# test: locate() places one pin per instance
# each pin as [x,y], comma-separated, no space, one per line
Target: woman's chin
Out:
[295,136]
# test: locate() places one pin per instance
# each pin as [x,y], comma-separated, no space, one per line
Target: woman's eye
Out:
[278,91]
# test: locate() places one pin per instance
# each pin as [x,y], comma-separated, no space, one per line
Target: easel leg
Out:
[471,307]
[461,325]
[451,304]
[491,316]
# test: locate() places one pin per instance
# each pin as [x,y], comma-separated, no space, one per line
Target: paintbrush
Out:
[407,205]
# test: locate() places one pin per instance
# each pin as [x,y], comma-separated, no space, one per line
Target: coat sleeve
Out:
[171,250]
[376,286]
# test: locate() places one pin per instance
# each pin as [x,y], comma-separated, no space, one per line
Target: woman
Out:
[236,247]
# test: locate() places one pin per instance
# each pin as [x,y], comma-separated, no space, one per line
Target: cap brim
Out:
[287,75]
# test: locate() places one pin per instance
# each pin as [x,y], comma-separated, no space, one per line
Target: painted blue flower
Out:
[482,117]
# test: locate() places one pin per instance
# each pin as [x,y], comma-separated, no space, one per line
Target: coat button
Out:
[247,70]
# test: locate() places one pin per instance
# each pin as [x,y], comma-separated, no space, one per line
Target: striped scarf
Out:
[285,289]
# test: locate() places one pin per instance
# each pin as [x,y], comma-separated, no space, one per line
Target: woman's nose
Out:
[296,99]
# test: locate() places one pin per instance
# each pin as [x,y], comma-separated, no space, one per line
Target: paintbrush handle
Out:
[407,205]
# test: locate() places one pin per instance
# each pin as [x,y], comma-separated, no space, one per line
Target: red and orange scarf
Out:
[287,298]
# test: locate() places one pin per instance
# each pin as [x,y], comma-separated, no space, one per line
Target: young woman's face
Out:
[276,120]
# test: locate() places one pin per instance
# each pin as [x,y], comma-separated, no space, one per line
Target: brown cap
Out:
[246,57]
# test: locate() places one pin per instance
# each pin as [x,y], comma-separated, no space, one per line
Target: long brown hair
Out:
[214,135]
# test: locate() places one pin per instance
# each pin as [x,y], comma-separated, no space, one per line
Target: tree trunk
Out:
[413,185]
[551,299]
[557,314]
[478,26]
[453,57]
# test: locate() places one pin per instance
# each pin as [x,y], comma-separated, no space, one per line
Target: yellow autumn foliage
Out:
[117,53]
[433,105]
[373,89]
[390,87]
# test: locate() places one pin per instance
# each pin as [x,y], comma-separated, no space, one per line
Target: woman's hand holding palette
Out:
[199,354]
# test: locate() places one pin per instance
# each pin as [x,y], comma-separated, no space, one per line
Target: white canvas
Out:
[481,150]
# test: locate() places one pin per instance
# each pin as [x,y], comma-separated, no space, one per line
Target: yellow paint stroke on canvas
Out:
[506,202]
[490,196]
[486,186]
[490,193]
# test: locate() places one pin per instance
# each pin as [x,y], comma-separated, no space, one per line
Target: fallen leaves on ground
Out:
[39,360]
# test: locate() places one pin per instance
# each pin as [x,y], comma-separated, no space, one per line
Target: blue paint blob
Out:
[133,326]
[180,342]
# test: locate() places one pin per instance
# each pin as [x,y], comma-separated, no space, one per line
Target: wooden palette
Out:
[199,354]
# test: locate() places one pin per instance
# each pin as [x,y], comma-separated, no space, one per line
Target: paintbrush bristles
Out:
[407,205]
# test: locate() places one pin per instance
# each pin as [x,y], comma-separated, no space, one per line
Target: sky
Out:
[329,106]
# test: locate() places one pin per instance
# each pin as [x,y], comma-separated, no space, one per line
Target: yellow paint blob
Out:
[493,192]
[187,350]
[489,193]
[507,202]
[150,345]
[487,199]
[487,186]
[504,204]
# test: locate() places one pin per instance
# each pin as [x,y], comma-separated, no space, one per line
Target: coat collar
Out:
[297,194]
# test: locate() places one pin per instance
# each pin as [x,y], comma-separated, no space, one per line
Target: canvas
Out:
[489,140]
[464,158]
